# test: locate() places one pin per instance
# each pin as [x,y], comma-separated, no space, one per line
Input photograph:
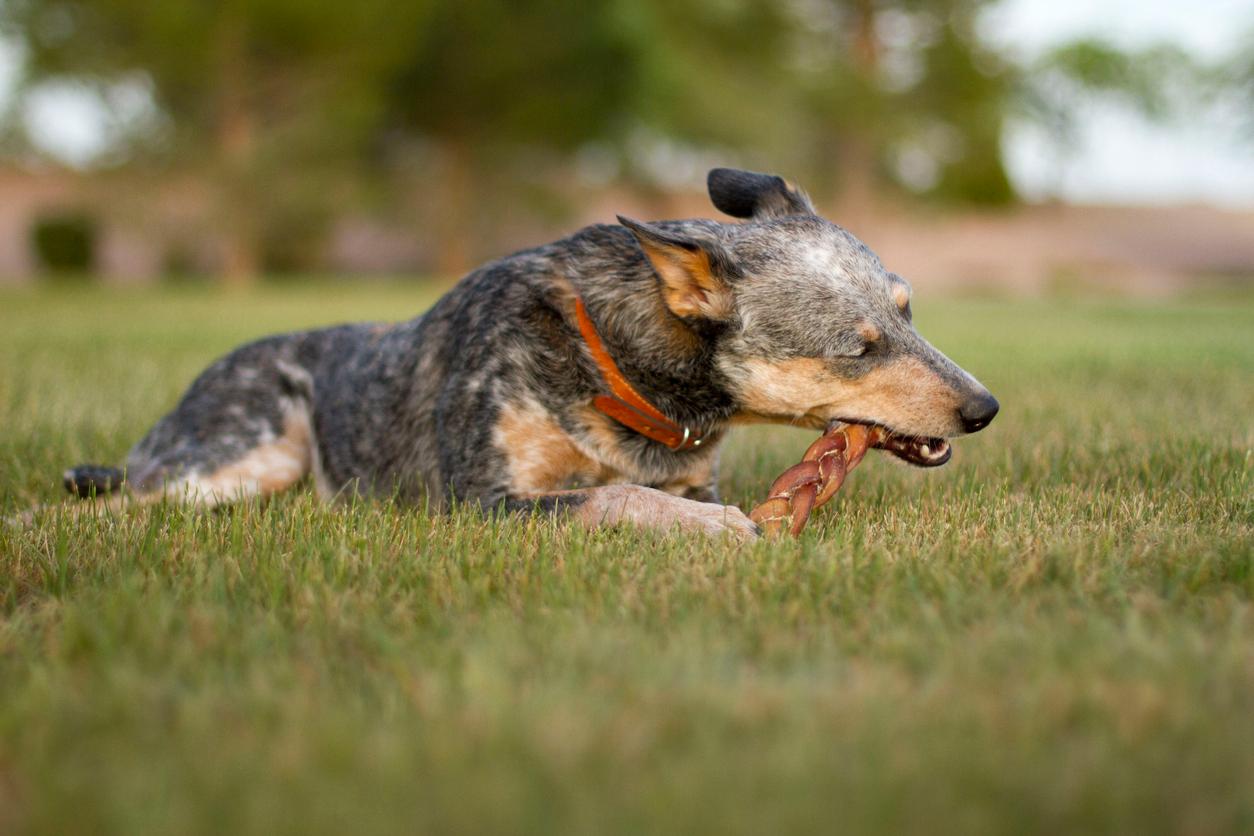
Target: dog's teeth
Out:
[927,451]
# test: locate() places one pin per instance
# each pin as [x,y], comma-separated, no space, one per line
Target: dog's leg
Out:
[243,429]
[273,465]
[639,506]
[533,456]
[201,476]
[699,483]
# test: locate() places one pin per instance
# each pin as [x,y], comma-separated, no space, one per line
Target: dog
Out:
[595,377]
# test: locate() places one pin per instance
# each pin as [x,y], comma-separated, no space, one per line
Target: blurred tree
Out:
[262,99]
[717,74]
[1237,75]
[1158,82]
[903,92]
[281,108]
[490,82]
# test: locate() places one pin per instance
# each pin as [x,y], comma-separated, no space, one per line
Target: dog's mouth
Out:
[920,452]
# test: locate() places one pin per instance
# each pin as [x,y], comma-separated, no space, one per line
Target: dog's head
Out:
[811,328]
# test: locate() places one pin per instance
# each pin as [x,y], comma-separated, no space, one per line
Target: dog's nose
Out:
[978,411]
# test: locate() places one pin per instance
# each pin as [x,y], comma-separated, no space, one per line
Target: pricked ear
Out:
[747,194]
[694,273]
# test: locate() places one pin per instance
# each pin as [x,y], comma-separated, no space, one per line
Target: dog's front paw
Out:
[651,508]
[715,519]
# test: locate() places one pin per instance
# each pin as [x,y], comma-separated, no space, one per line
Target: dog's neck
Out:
[669,360]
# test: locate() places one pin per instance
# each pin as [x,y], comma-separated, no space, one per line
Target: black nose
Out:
[978,411]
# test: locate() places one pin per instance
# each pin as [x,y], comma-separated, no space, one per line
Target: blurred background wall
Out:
[1023,144]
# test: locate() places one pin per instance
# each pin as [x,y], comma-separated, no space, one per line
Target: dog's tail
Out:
[88,480]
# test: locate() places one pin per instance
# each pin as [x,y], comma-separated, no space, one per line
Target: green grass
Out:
[1052,634]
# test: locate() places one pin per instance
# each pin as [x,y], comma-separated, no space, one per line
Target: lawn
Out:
[1052,634]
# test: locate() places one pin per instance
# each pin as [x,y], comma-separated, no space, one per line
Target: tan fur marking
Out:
[562,294]
[746,417]
[904,394]
[267,469]
[790,387]
[600,440]
[868,331]
[109,505]
[691,288]
[901,295]
[540,455]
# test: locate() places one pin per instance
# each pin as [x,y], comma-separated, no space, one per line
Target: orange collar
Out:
[625,405]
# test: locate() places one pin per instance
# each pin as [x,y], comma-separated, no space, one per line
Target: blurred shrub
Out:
[64,243]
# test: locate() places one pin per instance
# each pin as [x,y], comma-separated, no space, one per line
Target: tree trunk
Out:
[454,207]
[236,148]
[866,45]
[855,152]
[241,263]
[858,196]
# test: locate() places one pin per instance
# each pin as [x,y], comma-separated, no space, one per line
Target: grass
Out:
[1054,633]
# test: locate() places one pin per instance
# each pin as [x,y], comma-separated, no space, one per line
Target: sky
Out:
[1119,159]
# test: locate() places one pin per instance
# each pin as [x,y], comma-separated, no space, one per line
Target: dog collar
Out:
[625,405]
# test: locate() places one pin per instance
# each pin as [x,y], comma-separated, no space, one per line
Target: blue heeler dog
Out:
[593,377]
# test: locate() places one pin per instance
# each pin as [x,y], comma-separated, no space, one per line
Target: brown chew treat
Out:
[822,470]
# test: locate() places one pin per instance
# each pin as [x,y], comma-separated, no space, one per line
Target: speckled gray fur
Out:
[409,409]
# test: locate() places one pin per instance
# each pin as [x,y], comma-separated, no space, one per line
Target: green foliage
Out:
[496,95]
[65,243]
[963,92]
[293,59]
[272,104]
[318,87]
[1235,78]
[553,73]
[293,111]
[883,80]
[715,73]
[1136,77]
[1158,82]
[1051,634]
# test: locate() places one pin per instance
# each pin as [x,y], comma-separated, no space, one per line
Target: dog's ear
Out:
[694,273]
[747,194]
